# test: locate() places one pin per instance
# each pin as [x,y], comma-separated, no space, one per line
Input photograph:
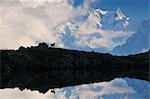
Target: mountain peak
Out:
[120,15]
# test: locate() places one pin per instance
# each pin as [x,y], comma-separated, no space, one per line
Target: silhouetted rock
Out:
[22,48]
[43,46]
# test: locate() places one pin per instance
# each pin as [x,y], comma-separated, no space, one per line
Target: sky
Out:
[137,9]
[71,24]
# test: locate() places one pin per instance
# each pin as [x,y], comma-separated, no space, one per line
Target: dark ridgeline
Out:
[42,68]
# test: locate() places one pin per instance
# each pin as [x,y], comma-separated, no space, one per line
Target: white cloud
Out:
[108,39]
[36,3]
[31,21]
[18,28]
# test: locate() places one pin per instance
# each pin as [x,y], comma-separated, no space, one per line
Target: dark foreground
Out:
[42,68]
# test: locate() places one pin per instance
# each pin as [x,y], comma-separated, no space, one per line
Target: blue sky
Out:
[137,10]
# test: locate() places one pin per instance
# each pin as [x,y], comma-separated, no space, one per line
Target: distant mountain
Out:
[114,20]
[139,42]
[94,21]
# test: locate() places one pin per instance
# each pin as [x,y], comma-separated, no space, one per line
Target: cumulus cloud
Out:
[28,22]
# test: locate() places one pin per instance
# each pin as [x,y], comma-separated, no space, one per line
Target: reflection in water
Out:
[119,88]
[53,78]
[43,80]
